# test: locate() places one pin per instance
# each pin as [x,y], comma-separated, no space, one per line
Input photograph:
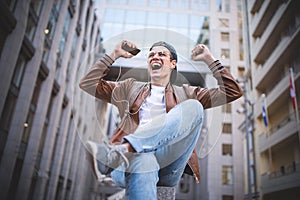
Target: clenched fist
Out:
[202,53]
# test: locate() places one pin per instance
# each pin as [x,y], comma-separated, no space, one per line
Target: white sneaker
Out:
[105,157]
[91,152]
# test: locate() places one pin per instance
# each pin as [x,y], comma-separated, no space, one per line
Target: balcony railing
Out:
[290,117]
[278,133]
[275,128]
[285,170]
[287,176]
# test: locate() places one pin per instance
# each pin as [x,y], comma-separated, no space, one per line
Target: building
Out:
[45,47]
[184,24]
[274,39]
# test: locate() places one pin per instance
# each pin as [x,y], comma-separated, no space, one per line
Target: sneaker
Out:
[105,157]
[90,151]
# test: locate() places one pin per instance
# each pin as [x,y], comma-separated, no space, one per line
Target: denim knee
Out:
[192,110]
[194,105]
[142,163]
[170,177]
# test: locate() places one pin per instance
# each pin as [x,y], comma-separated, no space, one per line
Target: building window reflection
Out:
[227,175]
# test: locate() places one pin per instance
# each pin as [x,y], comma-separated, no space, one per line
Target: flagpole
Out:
[266,122]
[297,121]
[294,100]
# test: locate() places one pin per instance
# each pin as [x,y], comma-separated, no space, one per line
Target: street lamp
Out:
[245,111]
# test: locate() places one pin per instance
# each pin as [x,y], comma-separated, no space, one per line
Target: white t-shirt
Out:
[153,105]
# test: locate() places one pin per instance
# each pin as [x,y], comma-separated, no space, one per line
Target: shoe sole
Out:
[91,159]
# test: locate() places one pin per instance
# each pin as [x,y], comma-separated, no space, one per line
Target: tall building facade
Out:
[274,40]
[184,24]
[45,48]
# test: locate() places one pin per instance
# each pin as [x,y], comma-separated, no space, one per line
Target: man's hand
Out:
[202,53]
[120,52]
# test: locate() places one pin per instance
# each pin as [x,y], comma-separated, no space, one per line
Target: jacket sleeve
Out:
[227,91]
[93,82]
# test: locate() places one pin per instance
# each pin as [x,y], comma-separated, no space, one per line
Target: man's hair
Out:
[168,46]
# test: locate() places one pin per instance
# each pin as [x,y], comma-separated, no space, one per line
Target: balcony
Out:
[268,37]
[287,176]
[278,133]
[288,45]
[277,92]
[276,95]
[254,5]
[258,24]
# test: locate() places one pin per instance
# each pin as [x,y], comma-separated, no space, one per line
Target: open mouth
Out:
[156,66]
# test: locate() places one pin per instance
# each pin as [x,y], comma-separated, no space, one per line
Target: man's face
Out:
[160,64]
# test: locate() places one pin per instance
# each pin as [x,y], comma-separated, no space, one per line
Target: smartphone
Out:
[129,49]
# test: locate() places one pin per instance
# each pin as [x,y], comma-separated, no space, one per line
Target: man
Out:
[160,122]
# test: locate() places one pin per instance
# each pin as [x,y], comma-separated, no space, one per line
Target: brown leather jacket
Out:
[128,96]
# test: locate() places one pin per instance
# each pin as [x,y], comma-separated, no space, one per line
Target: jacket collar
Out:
[168,86]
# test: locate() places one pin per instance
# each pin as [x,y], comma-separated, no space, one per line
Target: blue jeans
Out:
[163,148]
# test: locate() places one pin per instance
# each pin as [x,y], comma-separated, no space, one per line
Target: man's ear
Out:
[173,62]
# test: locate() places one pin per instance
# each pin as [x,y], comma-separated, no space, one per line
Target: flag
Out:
[294,100]
[292,89]
[264,110]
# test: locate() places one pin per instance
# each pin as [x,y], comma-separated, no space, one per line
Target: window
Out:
[31,26]
[36,6]
[57,136]
[44,133]
[69,185]
[227,176]
[204,5]
[224,22]
[199,28]
[219,3]
[30,117]
[179,4]
[10,102]
[19,71]
[241,48]
[6,117]
[135,17]
[64,34]
[113,22]
[138,3]
[15,178]
[225,53]
[49,31]
[227,128]
[27,126]
[227,197]
[223,5]
[227,149]
[159,3]
[46,50]
[157,19]
[178,20]
[11,4]
[227,6]
[200,5]
[34,13]
[241,71]
[31,113]
[62,42]
[225,36]
[59,188]
[116,2]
